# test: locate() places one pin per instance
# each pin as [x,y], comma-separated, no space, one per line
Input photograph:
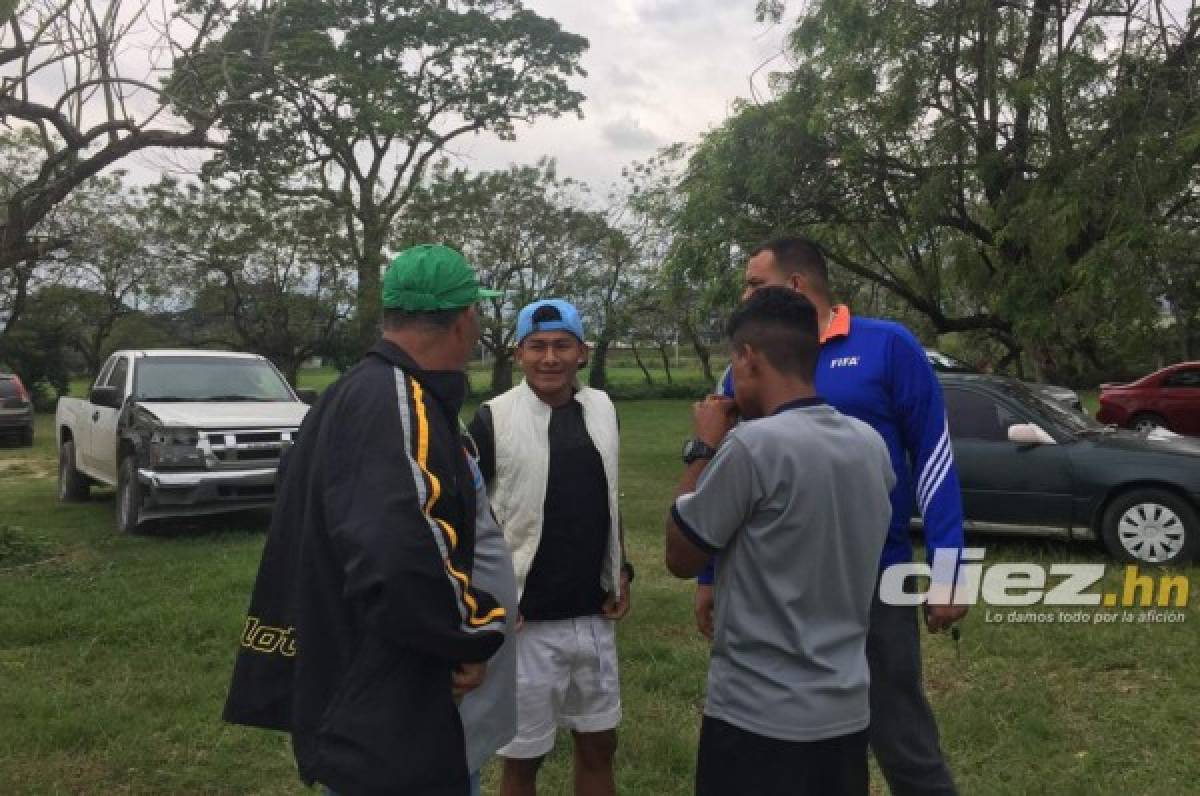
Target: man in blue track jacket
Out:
[876,371]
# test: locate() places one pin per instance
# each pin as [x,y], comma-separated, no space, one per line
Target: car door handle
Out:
[95,415]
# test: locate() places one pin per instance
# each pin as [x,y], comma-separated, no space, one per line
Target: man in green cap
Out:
[365,628]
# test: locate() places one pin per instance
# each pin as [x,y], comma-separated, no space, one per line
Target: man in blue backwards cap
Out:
[548,451]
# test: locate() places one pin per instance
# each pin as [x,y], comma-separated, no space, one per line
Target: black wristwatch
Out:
[627,569]
[696,448]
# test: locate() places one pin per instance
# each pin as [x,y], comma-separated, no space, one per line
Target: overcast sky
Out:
[659,71]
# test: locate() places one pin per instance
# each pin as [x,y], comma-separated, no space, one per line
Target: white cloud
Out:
[659,71]
[627,133]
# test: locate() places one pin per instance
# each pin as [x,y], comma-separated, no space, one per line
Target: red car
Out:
[1168,398]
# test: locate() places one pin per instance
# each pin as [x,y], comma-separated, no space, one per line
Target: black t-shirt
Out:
[564,578]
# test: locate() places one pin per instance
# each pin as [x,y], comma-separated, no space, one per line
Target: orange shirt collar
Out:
[839,324]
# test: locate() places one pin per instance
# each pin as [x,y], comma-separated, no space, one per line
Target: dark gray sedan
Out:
[16,409]
[1029,465]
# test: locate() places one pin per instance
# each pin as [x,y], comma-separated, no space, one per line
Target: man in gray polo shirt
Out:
[796,500]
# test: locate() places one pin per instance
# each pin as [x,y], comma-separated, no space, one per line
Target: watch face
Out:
[696,449]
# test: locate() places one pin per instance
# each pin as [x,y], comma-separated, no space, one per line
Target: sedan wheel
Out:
[1151,526]
[1146,422]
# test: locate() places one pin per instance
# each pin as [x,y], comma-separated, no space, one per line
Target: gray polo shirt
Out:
[797,505]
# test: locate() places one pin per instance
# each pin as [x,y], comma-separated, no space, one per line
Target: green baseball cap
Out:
[431,277]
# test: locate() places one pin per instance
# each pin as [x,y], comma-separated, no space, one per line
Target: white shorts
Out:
[566,677]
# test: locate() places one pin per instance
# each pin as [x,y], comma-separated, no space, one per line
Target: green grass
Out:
[1091,401]
[115,652]
[620,373]
[481,376]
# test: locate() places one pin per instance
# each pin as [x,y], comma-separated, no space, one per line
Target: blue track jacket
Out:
[876,371]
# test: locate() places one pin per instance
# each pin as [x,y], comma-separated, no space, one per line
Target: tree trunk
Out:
[370,300]
[702,352]
[91,357]
[291,369]
[1013,359]
[23,274]
[1189,327]
[666,360]
[638,359]
[502,371]
[598,378]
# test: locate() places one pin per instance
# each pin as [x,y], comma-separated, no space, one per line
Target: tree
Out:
[651,312]
[1002,168]
[681,305]
[519,228]
[350,102]
[110,266]
[19,152]
[610,261]
[270,274]
[65,85]
[100,273]
[39,349]
[1176,264]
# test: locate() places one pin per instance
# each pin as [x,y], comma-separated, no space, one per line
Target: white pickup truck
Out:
[178,433]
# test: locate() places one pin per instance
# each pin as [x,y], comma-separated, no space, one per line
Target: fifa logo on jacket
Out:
[267,639]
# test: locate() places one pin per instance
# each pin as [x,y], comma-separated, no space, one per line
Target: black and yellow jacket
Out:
[362,605]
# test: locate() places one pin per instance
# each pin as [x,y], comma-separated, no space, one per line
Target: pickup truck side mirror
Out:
[307,394]
[110,397]
[1029,434]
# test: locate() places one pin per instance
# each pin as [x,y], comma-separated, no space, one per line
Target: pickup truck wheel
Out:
[129,497]
[27,438]
[1151,526]
[72,486]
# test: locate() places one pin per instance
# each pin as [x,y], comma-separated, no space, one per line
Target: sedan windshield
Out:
[1064,416]
[947,364]
[209,379]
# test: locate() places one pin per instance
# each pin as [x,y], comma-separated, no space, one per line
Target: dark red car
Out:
[1168,398]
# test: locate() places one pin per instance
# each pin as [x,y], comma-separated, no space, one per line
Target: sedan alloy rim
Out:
[1151,532]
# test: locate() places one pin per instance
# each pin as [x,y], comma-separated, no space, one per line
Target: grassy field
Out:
[115,653]
[620,374]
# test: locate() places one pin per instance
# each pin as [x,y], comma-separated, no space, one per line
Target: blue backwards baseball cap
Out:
[549,315]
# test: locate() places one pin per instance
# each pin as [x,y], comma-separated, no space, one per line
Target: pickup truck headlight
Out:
[175,447]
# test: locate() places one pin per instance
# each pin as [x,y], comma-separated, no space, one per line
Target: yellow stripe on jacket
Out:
[435,492]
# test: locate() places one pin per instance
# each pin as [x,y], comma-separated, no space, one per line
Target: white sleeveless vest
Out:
[520,426]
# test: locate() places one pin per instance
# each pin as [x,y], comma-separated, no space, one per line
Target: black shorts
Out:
[736,762]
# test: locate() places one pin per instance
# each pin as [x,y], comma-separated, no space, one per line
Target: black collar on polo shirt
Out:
[800,403]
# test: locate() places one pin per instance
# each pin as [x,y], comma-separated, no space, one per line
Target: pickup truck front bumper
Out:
[185,493]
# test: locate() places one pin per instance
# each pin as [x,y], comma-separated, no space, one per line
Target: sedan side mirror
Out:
[307,394]
[1029,434]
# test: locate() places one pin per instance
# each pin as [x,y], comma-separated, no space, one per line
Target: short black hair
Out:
[796,255]
[430,320]
[782,325]
[546,314]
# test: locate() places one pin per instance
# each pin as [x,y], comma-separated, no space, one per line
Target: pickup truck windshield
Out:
[208,379]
